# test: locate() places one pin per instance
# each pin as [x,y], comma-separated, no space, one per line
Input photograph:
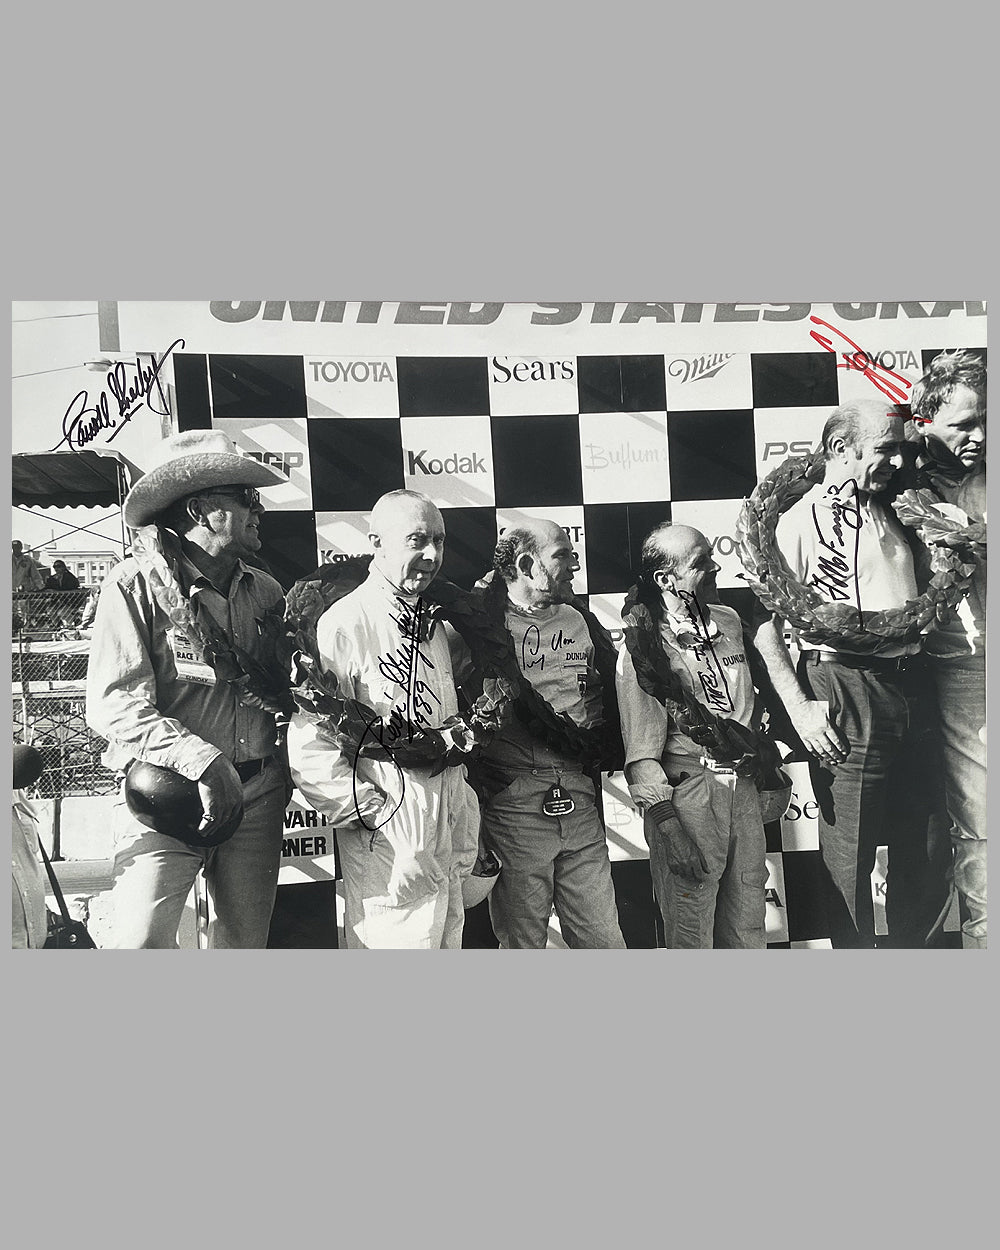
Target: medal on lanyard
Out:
[557,801]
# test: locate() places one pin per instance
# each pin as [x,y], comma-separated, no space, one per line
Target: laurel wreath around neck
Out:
[477,616]
[953,550]
[746,749]
[259,681]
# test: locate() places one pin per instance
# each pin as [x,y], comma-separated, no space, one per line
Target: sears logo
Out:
[532,370]
[417,462]
[801,447]
[800,810]
[699,367]
[351,371]
[286,461]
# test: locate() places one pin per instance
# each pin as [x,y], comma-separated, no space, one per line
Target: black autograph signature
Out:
[712,679]
[837,569]
[401,667]
[83,422]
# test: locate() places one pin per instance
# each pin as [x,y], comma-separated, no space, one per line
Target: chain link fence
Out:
[50,652]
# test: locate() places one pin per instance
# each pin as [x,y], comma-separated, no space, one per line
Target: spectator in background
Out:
[65,605]
[90,607]
[26,578]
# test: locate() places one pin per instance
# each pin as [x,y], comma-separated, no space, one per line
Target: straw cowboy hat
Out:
[186,463]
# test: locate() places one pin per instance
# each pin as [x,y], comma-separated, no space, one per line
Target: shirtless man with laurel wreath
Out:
[537,776]
[860,704]
[949,418]
[183,676]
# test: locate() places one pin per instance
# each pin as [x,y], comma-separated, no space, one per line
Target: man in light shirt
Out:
[703,823]
[407,835]
[862,718]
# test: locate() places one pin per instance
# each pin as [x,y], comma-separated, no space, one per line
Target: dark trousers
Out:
[889,792]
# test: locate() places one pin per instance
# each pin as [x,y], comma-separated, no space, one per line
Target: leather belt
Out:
[873,663]
[252,768]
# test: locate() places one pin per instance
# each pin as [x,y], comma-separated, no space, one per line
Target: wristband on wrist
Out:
[663,810]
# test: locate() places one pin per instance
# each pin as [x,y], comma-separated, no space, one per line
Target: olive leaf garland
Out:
[747,750]
[953,554]
[477,616]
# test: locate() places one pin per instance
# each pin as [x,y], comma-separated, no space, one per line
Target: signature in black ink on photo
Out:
[401,667]
[83,422]
[837,573]
[710,675]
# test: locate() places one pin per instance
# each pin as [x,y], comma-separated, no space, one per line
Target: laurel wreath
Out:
[352,725]
[259,681]
[953,553]
[477,616]
[747,750]
[597,747]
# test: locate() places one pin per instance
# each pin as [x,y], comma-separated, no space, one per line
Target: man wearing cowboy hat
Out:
[154,693]
[704,824]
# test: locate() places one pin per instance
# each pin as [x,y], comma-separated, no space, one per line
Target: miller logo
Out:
[699,367]
[286,461]
[451,464]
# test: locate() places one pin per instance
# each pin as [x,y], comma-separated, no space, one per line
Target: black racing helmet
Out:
[168,803]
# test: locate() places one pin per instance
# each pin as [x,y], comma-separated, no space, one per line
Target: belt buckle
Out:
[715,767]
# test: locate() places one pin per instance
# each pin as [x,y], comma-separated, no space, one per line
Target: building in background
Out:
[89,567]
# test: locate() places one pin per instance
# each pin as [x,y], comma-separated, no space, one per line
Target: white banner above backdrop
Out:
[322,327]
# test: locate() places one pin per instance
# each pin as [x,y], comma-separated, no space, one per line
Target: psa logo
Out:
[283,460]
[450,465]
[801,447]
[533,370]
[351,370]
[699,367]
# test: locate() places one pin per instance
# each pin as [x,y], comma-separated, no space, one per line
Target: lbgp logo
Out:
[286,461]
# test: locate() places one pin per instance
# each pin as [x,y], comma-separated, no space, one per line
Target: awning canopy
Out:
[72,479]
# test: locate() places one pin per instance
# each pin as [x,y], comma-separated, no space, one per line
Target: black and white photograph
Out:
[424,625]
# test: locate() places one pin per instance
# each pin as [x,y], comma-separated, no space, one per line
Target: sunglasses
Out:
[248,496]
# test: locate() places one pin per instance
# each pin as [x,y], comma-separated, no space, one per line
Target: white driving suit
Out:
[407,840]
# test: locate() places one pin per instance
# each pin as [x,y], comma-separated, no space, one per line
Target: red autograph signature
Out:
[863,361]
